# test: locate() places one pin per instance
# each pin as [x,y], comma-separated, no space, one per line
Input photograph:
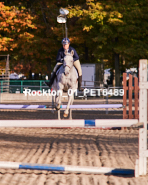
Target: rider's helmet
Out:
[65,41]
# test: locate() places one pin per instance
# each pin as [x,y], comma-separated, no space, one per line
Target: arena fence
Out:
[130,90]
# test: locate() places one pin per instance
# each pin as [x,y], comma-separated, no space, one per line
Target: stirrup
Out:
[81,89]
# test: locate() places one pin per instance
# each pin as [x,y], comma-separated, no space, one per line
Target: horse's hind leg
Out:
[70,116]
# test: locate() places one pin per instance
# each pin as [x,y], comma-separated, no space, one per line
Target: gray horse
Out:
[66,80]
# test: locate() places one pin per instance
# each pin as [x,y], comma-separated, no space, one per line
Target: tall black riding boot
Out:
[51,79]
[80,83]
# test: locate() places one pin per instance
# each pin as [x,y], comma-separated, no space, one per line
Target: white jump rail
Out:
[88,106]
[141,162]
[98,123]
[66,168]
[93,106]
[14,106]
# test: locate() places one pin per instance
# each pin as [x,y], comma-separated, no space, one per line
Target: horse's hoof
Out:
[57,107]
[65,115]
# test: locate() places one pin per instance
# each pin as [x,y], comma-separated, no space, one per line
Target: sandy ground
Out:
[82,147]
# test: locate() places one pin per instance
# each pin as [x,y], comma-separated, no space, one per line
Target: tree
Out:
[31,35]
[113,30]
[13,26]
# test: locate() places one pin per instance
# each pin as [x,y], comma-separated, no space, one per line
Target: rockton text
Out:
[86,92]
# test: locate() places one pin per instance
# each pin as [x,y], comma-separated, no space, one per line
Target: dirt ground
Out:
[69,146]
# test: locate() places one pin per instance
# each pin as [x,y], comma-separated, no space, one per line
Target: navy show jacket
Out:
[61,55]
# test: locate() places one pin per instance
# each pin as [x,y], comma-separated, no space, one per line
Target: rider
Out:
[60,58]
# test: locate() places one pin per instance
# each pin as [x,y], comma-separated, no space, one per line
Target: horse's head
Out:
[68,62]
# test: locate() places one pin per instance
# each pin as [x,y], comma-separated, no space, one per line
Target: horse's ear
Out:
[72,52]
[65,52]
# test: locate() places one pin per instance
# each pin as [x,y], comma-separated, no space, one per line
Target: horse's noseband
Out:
[67,66]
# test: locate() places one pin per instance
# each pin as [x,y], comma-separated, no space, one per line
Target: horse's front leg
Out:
[70,101]
[59,97]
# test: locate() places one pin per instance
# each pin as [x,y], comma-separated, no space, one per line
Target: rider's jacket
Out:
[60,55]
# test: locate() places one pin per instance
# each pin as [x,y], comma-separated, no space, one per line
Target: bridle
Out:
[67,66]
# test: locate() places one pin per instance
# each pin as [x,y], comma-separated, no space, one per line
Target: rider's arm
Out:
[75,56]
[59,56]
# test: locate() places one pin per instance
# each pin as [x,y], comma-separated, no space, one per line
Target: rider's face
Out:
[66,46]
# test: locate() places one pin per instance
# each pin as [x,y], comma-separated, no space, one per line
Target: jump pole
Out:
[97,106]
[88,106]
[14,106]
[66,168]
[76,123]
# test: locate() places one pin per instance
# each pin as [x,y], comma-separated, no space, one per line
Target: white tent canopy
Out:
[14,76]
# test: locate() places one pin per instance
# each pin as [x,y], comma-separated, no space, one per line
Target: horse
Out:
[66,80]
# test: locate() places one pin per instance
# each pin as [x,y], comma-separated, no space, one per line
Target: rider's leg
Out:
[53,74]
[78,67]
[57,66]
